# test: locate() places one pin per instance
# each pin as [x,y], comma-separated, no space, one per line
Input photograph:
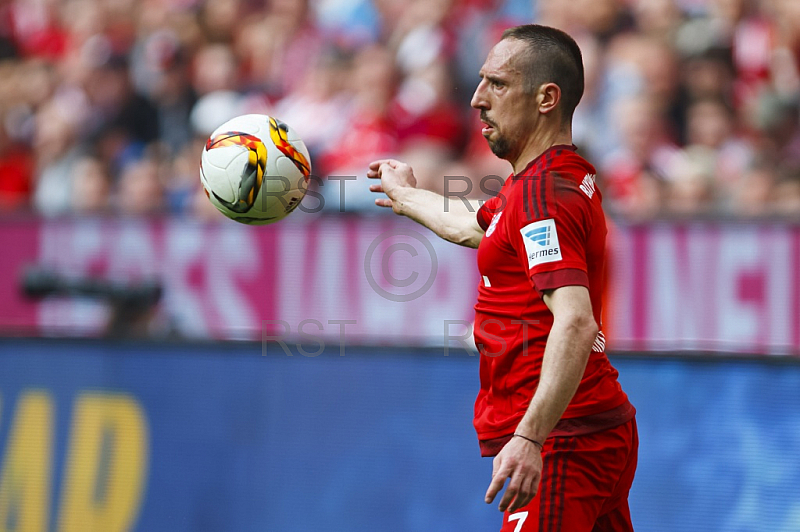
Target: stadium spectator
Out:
[710,126]
[56,150]
[690,182]
[16,169]
[320,107]
[160,71]
[656,18]
[644,153]
[786,197]
[359,79]
[180,177]
[369,128]
[140,189]
[91,187]
[751,195]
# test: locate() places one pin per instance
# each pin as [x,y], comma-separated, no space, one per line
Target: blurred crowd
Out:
[692,107]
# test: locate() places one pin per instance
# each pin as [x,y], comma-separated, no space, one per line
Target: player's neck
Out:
[538,143]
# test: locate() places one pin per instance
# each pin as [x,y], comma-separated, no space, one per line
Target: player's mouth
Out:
[488,125]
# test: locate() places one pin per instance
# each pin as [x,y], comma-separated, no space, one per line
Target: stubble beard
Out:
[500,146]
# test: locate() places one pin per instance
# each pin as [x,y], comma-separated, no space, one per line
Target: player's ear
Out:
[549,96]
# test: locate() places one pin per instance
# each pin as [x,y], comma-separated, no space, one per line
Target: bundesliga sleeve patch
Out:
[541,242]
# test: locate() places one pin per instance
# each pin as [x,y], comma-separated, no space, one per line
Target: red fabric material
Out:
[484,218]
[512,322]
[571,427]
[552,280]
[585,484]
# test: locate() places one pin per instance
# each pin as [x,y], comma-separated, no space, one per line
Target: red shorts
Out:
[585,484]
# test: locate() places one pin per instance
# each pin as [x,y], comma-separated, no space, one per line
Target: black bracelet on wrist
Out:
[536,443]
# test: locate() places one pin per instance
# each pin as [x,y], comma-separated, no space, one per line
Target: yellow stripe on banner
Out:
[25,479]
[106,465]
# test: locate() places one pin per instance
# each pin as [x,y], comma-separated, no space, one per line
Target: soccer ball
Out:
[255,169]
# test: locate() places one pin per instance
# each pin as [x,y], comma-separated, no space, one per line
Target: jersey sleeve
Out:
[552,244]
[487,211]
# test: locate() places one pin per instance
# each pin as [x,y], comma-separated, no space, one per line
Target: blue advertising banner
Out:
[216,437]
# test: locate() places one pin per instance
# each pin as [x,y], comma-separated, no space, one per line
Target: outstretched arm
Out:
[453,220]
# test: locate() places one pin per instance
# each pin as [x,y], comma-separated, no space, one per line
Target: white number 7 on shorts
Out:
[520,517]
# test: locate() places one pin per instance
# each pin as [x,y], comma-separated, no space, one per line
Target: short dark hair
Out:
[554,57]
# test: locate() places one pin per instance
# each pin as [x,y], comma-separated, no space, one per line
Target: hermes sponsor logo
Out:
[541,242]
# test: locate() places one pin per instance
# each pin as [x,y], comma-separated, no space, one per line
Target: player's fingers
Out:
[389,165]
[383,202]
[375,165]
[513,491]
[524,496]
[519,503]
[496,465]
[376,188]
[516,504]
[498,479]
[534,488]
[508,496]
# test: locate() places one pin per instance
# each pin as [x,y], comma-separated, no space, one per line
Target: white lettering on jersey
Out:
[486,282]
[541,242]
[588,185]
[493,223]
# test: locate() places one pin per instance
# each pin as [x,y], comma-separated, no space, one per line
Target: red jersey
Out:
[544,230]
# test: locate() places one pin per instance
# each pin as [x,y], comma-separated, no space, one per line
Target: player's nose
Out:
[479,100]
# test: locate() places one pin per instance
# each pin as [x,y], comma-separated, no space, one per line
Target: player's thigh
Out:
[580,477]
[617,520]
[615,516]
[559,503]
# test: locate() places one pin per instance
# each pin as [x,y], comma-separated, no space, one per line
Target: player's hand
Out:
[393,175]
[521,461]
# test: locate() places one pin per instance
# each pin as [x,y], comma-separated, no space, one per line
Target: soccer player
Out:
[550,409]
